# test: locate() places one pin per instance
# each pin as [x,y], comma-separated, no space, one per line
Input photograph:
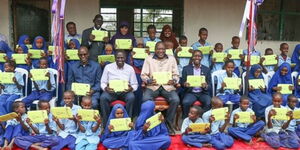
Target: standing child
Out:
[39,44]
[45,133]
[193,138]
[68,127]
[22,49]
[294,126]
[244,131]
[227,94]
[217,65]
[276,135]
[4,49]
[219,139]
[16,127]
[118,139]
[296,57]
[10,91]
[183,61]
[41,90]
[151,30]
[235,42]
[269,68]
[89,131]
[283,57]
[203,33]
[108,51]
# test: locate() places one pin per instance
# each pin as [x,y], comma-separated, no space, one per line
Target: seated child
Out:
[44,133]
[10,91]
[203,33]
[41,90]
[182,61]
[156,138]
[283,57]
[235,42]
[227,94]
[294,126]
[192,138]
[22,49]
[24,40]
[151,30]
[119,139]
[219,139]
[217,65]
[244,131]
[38,44]
[89,131]
[169,45]
[4,49]
[68,127]
[276,135]
[16,127]
[268,68]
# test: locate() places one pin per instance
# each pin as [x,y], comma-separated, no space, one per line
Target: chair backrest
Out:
[24,73]
[294,76]
[214,77]
[269,76]
[55,73]
[265,76]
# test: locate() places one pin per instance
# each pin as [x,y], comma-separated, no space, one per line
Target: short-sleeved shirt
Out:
[205,59]
[42,127]
[242,125]
[89,135]
[277,124]
[214,125]
[43,84]
[186,123]
[71,127]
[237,62]
[12,88]
[221,80]
[293,124]
[14,122]
[147,39]
[281,60]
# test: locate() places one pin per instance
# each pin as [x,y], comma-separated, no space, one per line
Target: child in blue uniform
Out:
[217,65]
[235,42]
[22,49]
[294,126]
[39,43]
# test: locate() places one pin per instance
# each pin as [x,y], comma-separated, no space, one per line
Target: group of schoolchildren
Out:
[76,134]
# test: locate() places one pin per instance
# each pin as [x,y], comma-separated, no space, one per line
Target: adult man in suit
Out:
[196,93]
[95,47]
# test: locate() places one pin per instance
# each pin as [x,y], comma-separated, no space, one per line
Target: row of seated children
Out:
[277,133]
[73,133]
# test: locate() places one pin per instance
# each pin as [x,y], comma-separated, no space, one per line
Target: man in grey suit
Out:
[95,47]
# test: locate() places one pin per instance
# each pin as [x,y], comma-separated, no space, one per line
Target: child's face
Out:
[152,33]
[284,49]
[277,100]
[68,98]
[86,104]
[183,42]
[244,104]
[167,33]
[203,35]
[292,102]
[257,73]
[269,52]
[218,48]
[8,68]
[284,71]
[45,106]
[217,104]
[169,45]
[140,45]
[72,45]
[119,113]
[229,68]
[39,43]
[108,49]
[124,30]
[19,50]
[193,114]
[27,41]
[21,109]
[235,43]
[43,64]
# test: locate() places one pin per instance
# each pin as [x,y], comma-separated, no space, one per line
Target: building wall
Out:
[4,18]
[222,18]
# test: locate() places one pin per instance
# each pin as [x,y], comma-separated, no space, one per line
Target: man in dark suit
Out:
[191,94]
[95,47]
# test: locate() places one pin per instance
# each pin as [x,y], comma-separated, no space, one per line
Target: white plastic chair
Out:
[294,76]
[24,72]
[269,76]
[214,77]
[266,80]
[52,102]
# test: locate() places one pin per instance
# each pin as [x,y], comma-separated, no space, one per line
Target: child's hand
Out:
[253,117]
[262,59]
[261,88]
[178,50]
[2,87]
[161,118]
[191,50]
[46,121]
[207,130]
[223,85]
[92,37]
[229,56]
[47,74]
[54,118]
[106,39]
[90,93]
[14,79]
[49,52]
[78,117]
[30,75]
[204,85]
[277,58]
[240,86]
[130,125]
[28,121]
[110,127]
[154,82]
[290,114]
[146,126]
[19,118]
[188,129]
[272,113]
[236,116]
[242,56]
[43,54]
[278,88]
[251,88]
[291,88]
[98,119]
[213,61]
[211,52]
[186,84]
[227,116]
[171,82]
[73,118]
[147,51]
[211,119]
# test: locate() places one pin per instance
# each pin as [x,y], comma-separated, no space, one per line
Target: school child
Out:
[296,57]
[259,98]
[283,57]
[235,42]
[297,87]
[22,49]
[16,127]
[281,76]
[10,91]
[4,49]
[244,131]
[268,68]
[156,138]
[39,43]
[294,126]
[151,30]
[118,139]
[44,133]
[227,94]
[107,51]
[24,40]
[68,127]
[72,45]
[203,33]
[217,65]
[41,90]
[193,138]
[181,60]
[219,139]
[2,130]
[276,134]
[169,45]
[89,131]
[254,52]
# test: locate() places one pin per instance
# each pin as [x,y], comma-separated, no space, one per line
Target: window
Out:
[279,20]
[109,19]
[145,17]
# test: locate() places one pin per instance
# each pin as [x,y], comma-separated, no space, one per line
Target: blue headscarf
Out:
[147,111]
[44,43]
[296,58]
[24,48]
[4,48]
[22,38]
[77,43]
[113,116]
[253,70]
[280,79]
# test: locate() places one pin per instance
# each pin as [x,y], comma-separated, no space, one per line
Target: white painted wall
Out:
[4,18]
[222,18]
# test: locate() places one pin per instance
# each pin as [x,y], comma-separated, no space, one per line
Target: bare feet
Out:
[188,145]
[260,139]
[250,142]
[207,145]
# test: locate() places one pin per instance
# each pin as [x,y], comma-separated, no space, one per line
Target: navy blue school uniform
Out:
[42,93]
[4,48]
[244,131]
[219,140]
[194,139]
[14,128]
[35,62]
